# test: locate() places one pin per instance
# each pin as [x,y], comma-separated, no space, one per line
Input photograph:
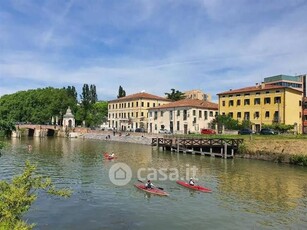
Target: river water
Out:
[246,194]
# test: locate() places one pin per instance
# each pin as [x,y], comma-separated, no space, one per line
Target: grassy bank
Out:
[277,148]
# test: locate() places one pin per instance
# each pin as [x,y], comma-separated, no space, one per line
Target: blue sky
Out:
[151,45]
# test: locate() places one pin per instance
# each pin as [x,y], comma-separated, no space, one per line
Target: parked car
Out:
[246,132]
[207,131]
[139,130]
[165,131]
[268,131]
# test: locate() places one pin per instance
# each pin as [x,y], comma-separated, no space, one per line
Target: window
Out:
[300,103]
[178,125]
[246,116]
[156,126]
[194,112]
[223,103]
[178,113]
[154,105]
[185,114]
[277,100]
[199,113]
[246,101]
[161,114]
[211,114]
[239,115]
[142,104]
[276,116]
[148,104]
[231,114]
[267,114]
[257,101]
[137,104]
[132,104]
[256,115]
[137,114]
[142,114]
[171,115]
[238,102]
[206,115]
[194,120]
[267,100]
[156,115]
[231,103]
[246,94]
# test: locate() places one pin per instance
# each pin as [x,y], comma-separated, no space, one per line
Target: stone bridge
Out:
[37,130]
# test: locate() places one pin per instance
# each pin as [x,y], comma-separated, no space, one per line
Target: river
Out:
[246,194]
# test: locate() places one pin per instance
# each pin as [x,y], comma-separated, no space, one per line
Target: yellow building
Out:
[263,104]
[131,112]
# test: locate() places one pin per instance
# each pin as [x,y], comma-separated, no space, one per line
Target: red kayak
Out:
[195,187]
[154,191]
[107,156]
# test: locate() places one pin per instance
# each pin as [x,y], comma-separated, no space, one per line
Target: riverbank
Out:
[275,149]
[292,151]
[144,139]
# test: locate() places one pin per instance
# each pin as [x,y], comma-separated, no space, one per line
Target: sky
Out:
[151,45]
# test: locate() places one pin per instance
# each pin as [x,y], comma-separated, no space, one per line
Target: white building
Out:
[183,116]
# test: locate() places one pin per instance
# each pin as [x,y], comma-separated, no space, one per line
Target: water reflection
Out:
[257,193]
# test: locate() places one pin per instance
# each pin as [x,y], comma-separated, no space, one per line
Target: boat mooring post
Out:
[225,150]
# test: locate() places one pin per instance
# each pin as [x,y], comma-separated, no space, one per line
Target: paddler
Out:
[149,185]
[191,182]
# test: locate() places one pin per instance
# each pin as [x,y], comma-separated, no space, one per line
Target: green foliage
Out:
[282,128]
[88,99]
[227,121]
[7,127]
[17,197]
[37,106]
[175,95]
[298,160]
[121,92]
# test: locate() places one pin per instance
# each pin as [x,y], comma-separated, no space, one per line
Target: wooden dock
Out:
[216,147]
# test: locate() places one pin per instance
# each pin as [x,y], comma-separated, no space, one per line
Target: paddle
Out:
[154,186]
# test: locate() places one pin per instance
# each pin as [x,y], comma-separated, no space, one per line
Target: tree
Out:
[7,127]
[121,92]
[227,121]
[175,95]
[17,197]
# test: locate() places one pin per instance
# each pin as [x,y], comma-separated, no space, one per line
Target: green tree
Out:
[175,95]
[121,92]
[17,197]
[6,127]
[227,121]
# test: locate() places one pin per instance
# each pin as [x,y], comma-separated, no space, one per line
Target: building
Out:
[295,82]
[263,104]
[305,115]
[131,112]
[68,119]
[197,94]
[183,116]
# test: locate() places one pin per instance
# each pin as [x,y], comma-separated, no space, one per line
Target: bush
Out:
[17,197]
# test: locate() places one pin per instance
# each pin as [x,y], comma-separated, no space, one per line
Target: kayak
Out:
[106,156]
[195,187]
[154,191]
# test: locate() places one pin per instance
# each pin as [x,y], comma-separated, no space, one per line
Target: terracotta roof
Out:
[255,88]
[195,103]
[141,95]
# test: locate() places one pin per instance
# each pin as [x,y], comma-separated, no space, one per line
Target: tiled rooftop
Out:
[194,103]
[141,95]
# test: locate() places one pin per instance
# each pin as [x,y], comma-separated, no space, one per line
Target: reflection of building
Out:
[183,116]
[131,112]
[263,104]
[197,94]
[68,119]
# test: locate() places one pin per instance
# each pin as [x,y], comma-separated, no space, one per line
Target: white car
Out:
[165,131]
